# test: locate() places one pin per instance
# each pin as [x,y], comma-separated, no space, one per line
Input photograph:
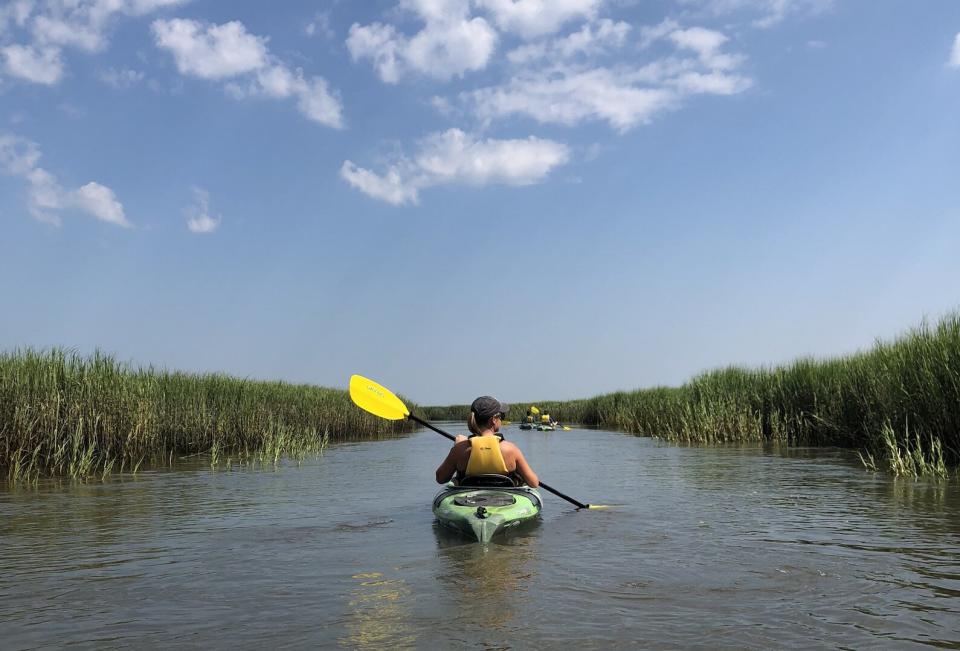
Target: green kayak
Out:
[484,512]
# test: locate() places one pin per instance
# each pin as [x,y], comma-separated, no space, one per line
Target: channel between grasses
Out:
[65,414]
[897,403]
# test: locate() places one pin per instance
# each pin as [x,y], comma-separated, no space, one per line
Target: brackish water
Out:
[716,547]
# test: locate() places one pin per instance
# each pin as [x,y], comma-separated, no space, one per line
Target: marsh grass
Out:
[65,414]
[898,404]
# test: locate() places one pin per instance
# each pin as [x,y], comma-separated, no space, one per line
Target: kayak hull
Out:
[483,513]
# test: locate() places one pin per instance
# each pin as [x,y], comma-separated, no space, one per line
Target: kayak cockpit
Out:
[488,481]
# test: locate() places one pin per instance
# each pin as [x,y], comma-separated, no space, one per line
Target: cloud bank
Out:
[571,66]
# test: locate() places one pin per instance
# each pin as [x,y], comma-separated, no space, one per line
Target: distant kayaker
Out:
[477,454]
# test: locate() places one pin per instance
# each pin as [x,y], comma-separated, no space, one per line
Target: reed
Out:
[897,403]
[65,414]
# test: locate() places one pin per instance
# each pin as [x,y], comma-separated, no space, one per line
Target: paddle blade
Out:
[378,400]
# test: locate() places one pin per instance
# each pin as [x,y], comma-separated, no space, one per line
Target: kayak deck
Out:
[482,513]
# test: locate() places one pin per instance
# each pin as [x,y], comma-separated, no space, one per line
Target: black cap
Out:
[486,407]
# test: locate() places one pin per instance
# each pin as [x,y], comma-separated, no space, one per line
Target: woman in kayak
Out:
[485,452]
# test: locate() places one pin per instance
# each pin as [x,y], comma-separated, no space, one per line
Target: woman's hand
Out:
[459,438]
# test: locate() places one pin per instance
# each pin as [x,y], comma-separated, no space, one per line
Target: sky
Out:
[532,199]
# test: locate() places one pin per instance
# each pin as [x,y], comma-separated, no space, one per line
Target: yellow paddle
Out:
[380,401]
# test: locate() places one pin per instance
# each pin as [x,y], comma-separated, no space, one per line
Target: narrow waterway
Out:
[717,547]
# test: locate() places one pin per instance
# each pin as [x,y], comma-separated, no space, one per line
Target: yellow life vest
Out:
[485,457]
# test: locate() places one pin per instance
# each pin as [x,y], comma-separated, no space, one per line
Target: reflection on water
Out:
[487,584]
[739,547]
[379,614]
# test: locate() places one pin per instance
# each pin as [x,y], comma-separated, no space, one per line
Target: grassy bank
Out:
[64,414]
[897,403]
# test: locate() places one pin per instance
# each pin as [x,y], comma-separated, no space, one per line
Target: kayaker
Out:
[475,455]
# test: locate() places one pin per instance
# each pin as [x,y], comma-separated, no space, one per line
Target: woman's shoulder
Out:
[507,445]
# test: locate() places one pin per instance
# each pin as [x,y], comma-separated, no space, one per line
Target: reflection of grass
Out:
[379,614]
[63,414]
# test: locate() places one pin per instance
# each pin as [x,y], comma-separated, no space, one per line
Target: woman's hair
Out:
[474,426]
[472,423]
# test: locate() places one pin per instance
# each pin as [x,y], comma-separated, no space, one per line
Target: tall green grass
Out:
[899,399]
[898,403]
[65,414]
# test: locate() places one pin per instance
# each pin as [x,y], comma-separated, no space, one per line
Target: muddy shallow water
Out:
[715,547]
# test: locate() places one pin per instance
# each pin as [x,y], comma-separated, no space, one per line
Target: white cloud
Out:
[45,197]
[622,96]
[450,44]
[15,13]
[703,41]
[198,215]
[121,78]
[444,50]
[211,51]
[71,33]
[454,157]
[100,201]
[593,39]
[57,24]
[228,51]
[955,55]
[39,65]
[391,186]
[710,83]
[317,102]
[532,18]
[17,155]
[140,7]
[380,43]
[771,12]
[650,34]
[568,97]
[706,43]
[320,25]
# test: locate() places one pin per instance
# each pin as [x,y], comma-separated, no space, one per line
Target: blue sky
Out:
[526,198]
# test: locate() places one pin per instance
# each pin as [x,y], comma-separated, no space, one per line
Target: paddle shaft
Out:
[579,505]
[429,426]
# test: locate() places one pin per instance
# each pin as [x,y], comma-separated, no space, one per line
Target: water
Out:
[710,548]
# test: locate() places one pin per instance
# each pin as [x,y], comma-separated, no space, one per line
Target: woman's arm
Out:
[449,466]
[525,471]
